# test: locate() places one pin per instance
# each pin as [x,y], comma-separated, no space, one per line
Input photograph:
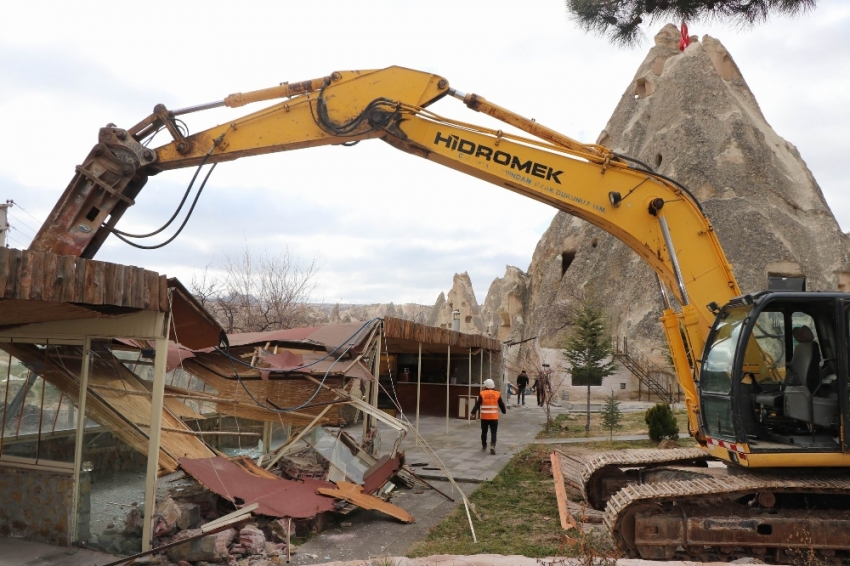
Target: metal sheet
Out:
[276,498]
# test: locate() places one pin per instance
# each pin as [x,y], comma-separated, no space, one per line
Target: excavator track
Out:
[599,475]
[775,518]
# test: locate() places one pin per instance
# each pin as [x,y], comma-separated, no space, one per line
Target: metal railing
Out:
[658,380]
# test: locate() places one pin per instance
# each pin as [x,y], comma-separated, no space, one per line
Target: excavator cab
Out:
[775,372]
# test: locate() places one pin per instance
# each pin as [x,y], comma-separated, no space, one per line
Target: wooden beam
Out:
[567,520]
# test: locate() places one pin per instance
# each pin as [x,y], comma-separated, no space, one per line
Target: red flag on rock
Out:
[684,38]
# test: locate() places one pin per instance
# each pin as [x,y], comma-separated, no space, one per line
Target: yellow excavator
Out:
[766,390]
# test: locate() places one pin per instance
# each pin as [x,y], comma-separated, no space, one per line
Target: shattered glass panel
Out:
[337,453]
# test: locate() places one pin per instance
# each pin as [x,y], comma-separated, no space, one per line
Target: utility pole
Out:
[4,224]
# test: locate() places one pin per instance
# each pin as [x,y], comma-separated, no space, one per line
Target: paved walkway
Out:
[460,448]
[372,534]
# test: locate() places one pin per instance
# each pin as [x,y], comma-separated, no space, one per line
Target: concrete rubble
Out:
[286,499]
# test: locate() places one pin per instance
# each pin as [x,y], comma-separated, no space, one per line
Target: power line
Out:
[23,223]
[25,211]
[13,239]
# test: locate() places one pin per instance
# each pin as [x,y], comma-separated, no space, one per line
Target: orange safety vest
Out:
[490,405]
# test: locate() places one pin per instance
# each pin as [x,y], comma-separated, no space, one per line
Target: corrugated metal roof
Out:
[275,497]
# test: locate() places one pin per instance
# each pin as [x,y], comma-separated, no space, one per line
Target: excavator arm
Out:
[650,213]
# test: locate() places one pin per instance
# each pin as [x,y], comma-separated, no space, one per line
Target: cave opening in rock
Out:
[566,260]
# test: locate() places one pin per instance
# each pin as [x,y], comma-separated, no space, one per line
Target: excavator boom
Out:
[649,213]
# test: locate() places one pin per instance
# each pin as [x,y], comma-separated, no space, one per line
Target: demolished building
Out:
[120,396]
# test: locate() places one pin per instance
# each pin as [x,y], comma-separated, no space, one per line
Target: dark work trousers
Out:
[493,425]
[520,396]
[541,396]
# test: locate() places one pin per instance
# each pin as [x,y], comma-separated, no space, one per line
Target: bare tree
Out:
[257,293]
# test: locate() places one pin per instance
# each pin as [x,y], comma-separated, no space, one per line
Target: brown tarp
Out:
[275,497]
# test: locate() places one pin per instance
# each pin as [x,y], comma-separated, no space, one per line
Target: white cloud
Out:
[385,225]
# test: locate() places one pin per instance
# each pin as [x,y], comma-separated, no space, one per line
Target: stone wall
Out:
[36,505]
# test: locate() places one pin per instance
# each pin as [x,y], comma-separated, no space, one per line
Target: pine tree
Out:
[662,423]
[620,20]
[611,415]
[587,347]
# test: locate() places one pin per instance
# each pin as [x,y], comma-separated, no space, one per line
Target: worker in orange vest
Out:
[489,402]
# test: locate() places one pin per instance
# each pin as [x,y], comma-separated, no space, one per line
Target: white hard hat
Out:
[490,384]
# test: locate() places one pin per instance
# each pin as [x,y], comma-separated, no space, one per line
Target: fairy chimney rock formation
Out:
[504,310]
[692,117]
[460,298]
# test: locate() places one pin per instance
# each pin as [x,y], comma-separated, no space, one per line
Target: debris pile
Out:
[323,480]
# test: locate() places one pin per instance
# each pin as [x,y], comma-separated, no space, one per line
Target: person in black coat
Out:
[521,383]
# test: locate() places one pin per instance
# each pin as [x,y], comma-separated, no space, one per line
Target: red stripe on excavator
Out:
[728,446]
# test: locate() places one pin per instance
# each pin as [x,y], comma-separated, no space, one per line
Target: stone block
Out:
[190,515]
[168,513]
[132,546]
[209,548]
[252,539]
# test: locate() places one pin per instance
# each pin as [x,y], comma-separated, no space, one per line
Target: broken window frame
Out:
[38,383]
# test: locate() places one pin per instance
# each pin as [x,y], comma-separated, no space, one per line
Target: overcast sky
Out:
[385,226]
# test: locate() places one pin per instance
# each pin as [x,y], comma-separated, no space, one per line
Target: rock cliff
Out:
[692,117]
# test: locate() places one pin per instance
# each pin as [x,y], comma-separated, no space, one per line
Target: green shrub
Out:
[662,423]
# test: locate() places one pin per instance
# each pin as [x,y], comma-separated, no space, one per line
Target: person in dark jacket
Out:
[521,383]
[489,403]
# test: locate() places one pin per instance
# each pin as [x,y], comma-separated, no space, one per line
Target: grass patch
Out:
[571,425]
[519,513]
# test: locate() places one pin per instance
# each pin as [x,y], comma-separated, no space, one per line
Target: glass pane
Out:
[114,460]
[767,346]
[23,411]
[799,319]
[58,426]
[716,375]
[340,456]
[717,415]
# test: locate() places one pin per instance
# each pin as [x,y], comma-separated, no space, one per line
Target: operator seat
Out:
[804,380]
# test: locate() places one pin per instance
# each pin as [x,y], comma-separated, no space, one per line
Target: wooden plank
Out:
[138,287]
[65,277]
[80,280]
[108,283]
[163,293]
[353,493]
[98,280]
[36,275]
[24,277]
[118,289]
[129,282]
[567,521]
[88,283]
[49,267]
[151,292]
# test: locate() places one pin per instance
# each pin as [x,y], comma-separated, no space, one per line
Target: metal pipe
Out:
[418,383]
[469,389]
[448,372]
[82,397]
[457,94]
[668,241]
[663,290]
[198,108]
